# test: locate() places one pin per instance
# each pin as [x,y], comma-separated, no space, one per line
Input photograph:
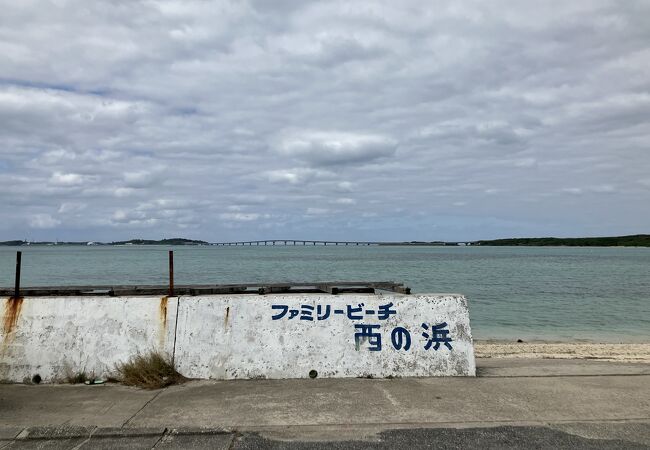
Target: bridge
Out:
[295,242]
[366,243]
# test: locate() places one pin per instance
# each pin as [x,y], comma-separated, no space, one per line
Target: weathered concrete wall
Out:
[57,336]
[238,337]
[241,336]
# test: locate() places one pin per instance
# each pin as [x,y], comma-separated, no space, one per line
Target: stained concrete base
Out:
[585,404]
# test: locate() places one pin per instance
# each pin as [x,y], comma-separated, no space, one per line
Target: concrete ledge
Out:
[538,367]
[239,336]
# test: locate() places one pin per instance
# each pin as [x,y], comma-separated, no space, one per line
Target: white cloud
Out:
[123,192]
[139,179]
[298,175]
[67,179]
[57,156]
[345,186]
[604,189]
[71,208]
[286,176]
[573,190]
[317,211]
[240,217]
[43,221]
[334,147]
[597,189]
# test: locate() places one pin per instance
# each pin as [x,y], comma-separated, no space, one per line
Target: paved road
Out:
[513,404]
[582,436]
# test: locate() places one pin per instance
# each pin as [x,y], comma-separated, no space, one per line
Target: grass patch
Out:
[149,371]
[78,378]
[75,376]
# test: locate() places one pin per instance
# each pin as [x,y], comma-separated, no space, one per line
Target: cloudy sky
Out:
[336,120]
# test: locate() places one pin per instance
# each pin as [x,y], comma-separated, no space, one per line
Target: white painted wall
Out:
[232,336]
[54,336]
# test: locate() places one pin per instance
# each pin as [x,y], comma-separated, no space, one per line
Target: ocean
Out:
[529,293]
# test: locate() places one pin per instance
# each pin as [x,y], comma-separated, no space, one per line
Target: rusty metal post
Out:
[17,285]
[171,273]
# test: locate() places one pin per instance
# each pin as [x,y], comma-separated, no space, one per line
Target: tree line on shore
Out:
[636,240]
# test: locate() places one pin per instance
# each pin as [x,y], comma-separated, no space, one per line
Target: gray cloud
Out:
[234,120]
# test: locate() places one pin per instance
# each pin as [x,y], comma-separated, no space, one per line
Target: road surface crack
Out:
[143,407]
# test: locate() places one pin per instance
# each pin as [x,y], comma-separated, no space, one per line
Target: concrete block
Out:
[55,336]
[239,336]
[235,336]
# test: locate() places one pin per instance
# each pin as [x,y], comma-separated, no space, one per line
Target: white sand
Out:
[563,350]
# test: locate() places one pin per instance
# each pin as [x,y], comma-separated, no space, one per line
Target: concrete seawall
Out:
[240,336]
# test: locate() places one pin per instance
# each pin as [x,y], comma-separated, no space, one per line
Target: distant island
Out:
[173,241]
[636,240]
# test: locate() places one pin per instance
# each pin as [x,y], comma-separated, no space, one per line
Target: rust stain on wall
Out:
[163,311]
[13,305]
[162,326]
[225,320]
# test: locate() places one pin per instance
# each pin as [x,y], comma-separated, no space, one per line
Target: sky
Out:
[381,120]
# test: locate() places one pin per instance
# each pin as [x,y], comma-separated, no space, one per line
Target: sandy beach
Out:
[637,352]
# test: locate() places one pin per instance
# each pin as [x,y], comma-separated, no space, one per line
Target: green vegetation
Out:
[150,371]
[422,243]
[174,241]
[13,243]
[78,378]
[637,240]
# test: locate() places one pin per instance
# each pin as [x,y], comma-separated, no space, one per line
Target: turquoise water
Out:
[551,293]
